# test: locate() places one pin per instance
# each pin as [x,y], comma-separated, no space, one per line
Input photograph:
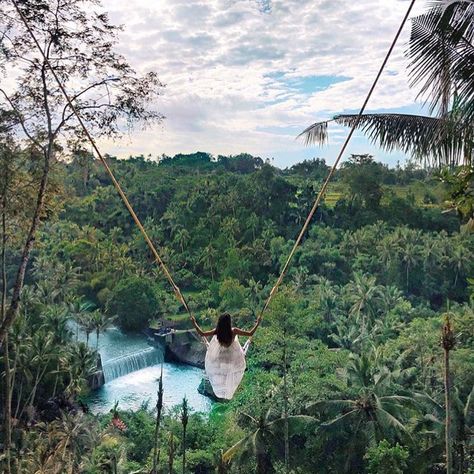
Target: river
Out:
[132,368]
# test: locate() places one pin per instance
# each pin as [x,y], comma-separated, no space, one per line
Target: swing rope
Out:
[137,221]
[109,171]
[323,189]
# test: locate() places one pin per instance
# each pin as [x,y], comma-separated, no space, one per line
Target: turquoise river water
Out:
[132,368]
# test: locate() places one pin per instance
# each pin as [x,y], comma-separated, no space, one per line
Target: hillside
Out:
[348,352]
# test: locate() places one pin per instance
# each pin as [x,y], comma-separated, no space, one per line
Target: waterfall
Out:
[125,364]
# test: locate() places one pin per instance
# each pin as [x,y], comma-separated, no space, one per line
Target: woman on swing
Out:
[225,358]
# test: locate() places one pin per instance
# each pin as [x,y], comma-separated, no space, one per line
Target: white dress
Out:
[225,367]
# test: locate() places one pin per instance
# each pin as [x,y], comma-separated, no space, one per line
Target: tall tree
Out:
[79,46]
[184,424]
[159,408]
[447,342]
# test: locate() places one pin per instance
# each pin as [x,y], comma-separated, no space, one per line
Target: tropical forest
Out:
[359,272]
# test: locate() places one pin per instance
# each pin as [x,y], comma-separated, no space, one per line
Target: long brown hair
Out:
[224,332]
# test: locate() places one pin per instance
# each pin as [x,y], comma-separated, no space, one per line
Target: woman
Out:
[225,358]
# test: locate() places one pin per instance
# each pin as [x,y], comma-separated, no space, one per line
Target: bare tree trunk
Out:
[12,311]
[285,405]
[184,449]
[171,451]
[48,151]
[159,406]
[448,342]
[6,355]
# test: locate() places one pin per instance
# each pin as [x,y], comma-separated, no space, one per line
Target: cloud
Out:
[247,75]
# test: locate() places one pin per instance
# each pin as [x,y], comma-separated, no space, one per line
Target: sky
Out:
[249,75]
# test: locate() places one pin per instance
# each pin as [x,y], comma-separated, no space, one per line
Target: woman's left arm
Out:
[242,332]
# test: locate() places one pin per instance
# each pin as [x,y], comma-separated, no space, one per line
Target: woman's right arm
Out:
[200,331]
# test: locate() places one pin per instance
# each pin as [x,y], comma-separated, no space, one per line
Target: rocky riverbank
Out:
[97,379]
[180,346]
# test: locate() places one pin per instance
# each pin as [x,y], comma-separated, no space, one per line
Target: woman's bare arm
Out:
[200,331]
[242,332]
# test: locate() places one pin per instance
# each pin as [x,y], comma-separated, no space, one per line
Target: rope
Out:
[160,262]
[333,169]
[119,189]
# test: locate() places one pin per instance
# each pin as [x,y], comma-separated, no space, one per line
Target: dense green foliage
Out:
[347,362]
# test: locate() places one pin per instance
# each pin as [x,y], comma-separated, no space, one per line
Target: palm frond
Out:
[467,407]
[237,447]
[400,400]
[428,400]
[325,405]
[339,419]
[297,424]
[442,55]
[442,141]
[316,133]
[388,421]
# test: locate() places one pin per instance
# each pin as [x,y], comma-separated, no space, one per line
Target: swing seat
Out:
[225,367]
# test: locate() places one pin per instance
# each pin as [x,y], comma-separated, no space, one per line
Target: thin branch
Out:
[22,122]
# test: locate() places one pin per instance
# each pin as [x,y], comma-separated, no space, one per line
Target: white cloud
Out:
[215,58]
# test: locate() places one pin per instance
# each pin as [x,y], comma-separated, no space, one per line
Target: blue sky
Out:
[249,75]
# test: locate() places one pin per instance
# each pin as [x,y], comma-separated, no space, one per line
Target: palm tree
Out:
[460,259]
[432,428]
[184,424]
[182,238]
[347,334]
[87,324]
[77,308]
[389,297]
[255,291]
[208,259]
[171,452]
[73,435]
[363,294]
[378,409]
[328,303]
[300,277]
[267,433]
[252,224]
[442,58]
[100,321]
[54,320]
[79,362]
[447,341]
[41,351]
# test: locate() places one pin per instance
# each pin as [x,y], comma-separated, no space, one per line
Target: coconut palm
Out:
[363,294]
[87,323]
[100,321]
[377,408]
[54,319]
[171,451]
[441,54]
[460,260]
[267,433]
[77,308]
[255,291]
[389,297]
[432,428]
[182,238]
[73,436]
[42,351]
[208,259]
[347,334]
[79,362]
